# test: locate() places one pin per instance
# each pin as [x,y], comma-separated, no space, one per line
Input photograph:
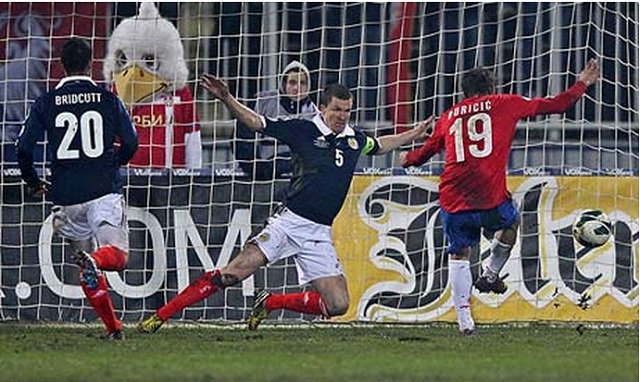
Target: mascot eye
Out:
[150,62]
[121,59]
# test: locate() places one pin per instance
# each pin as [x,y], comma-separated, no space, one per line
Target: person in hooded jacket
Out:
[263,158]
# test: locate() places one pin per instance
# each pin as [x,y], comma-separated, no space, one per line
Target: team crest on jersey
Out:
[353,143]
[263,237]
[321,142]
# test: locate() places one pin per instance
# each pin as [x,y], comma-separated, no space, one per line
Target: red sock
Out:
[307,302]
[196,291]
[101,304]
[110,258]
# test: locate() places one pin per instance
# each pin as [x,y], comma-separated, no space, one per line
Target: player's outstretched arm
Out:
[392,142]
[563,101]
[220,90]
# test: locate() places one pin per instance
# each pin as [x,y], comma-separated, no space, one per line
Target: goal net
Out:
[402,62]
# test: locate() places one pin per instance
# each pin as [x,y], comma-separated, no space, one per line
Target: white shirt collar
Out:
[74,78]
[325,130]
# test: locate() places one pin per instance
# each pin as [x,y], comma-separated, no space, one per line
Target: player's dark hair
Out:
[478,81]
[338,91]
[76,56]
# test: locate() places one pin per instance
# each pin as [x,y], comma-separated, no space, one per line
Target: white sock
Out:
[499,255]
[461,281]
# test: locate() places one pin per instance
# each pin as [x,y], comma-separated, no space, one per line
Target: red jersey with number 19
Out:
[476,134]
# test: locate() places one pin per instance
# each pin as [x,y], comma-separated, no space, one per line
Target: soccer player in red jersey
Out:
[476,134]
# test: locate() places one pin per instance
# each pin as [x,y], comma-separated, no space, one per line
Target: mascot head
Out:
[145,57]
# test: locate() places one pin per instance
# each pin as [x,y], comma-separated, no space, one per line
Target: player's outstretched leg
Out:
[260,311]
[306,302]
[151,324]
[197,291]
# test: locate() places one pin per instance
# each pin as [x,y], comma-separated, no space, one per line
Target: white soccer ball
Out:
[592,228]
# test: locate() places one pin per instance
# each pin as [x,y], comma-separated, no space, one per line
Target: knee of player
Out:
[223,280]
[122,253]
[337,306]
[125,259]
[83,245]
[59,218]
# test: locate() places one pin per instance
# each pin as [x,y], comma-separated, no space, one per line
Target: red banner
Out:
[36,31]
[399,73]
[31,35]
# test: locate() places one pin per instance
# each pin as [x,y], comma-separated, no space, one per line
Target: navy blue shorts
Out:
[462,229]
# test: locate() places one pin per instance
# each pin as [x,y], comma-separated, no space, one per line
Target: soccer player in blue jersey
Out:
[82,123]
[324,152]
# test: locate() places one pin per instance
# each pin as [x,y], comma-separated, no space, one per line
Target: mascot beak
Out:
[134,84]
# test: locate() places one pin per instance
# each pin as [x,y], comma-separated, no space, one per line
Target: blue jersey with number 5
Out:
[84,125]
[323,164]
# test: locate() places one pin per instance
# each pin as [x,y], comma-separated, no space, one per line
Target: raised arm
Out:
[392,142]
[563,101]
[220,90]
[590,73]
[433,145]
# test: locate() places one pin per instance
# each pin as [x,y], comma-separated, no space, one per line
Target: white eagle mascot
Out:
[146,66]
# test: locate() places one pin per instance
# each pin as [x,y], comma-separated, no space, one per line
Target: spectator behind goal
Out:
[263,161]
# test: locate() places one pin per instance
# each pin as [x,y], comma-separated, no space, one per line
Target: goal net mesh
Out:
[403,62]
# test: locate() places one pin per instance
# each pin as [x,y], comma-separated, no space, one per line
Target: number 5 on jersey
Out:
[481,144]
[339,158]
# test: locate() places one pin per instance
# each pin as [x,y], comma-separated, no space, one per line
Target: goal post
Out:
[403,62]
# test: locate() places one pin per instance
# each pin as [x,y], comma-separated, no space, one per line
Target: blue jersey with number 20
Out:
[83,123]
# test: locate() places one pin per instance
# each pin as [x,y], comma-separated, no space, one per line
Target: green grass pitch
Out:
[436,352]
